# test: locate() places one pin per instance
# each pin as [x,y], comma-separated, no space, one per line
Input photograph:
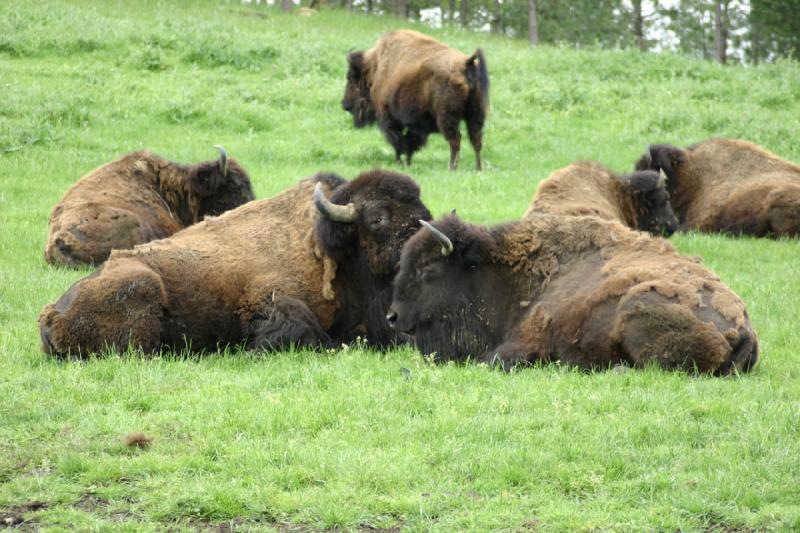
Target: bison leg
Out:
[413,142]
[86,238]
[475,129]
[282,322]
[119,305]
[651,327]
[509,355]
[452,133]
[393,132]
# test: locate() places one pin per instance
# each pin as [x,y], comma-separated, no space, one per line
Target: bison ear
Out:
[644,181]
[667,158]
[356,62]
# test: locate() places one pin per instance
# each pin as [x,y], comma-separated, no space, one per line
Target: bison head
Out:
[375,214]
[219,185]
[653,209]
[444,290]
[357,100]
[363,226]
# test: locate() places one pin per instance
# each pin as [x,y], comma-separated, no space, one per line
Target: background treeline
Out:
[748,31]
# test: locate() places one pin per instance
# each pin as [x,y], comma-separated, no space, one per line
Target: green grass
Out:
[346,440]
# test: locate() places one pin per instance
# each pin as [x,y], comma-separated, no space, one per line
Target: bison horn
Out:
[447,245]
[662,178]
[335,212]
[223,160]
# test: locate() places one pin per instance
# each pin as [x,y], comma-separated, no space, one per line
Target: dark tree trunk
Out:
[287,5]
[496,22]
[401,7]
[638,24]
[369,6]
[721,30]
[464,14]
[452,15]
[533,23]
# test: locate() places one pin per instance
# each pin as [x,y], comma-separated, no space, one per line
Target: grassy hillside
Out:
[306,441]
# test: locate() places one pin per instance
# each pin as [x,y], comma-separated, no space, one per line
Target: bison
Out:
[297,269]
[639,201]
[579,290]
[730,186]
[138,198]
[413,85]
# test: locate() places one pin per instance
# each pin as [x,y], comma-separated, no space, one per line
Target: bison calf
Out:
[138,198]
[300,268]
[580,290]
[413,86]
[639,201]
[730,186]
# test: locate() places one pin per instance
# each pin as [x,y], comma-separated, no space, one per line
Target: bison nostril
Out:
[391,317]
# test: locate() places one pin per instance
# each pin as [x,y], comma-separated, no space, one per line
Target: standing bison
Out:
[580,290]
[730,186]
[414,86]
[138,198]
[639,201]
[300,268]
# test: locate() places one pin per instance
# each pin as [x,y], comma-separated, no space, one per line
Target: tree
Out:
[638,24]
[533,23]
[401,8]
[464,13]
[287,5]
[721,30]
[774,29]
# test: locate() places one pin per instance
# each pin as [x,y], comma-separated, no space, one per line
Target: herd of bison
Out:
[188,260]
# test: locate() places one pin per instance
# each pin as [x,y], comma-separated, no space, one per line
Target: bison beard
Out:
[462,329]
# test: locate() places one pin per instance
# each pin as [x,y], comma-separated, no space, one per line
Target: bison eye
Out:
[378,221]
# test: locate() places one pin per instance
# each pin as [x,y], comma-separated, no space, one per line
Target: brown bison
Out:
[639,201]
[730,186]
[579,290]
[138,198]
[299,268]
[413,86]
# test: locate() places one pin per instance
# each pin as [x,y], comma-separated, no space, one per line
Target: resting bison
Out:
[138,198]
[268,274]
[730,186]
[414,86]
[580,290]
[639,201]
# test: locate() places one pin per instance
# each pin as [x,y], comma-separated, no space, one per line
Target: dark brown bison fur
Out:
[730,186]
[413,85]
[269,274]
[639,201]
[138,198]
[580,290]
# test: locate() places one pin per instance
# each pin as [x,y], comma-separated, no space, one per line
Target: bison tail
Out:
[477,73]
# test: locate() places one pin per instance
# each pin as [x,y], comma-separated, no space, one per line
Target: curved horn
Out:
[335,212]
[662,178]
[447,245]
[223,160]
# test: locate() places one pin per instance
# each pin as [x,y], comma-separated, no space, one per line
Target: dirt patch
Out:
[15,516]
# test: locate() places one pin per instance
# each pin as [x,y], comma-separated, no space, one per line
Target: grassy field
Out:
[306,441]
